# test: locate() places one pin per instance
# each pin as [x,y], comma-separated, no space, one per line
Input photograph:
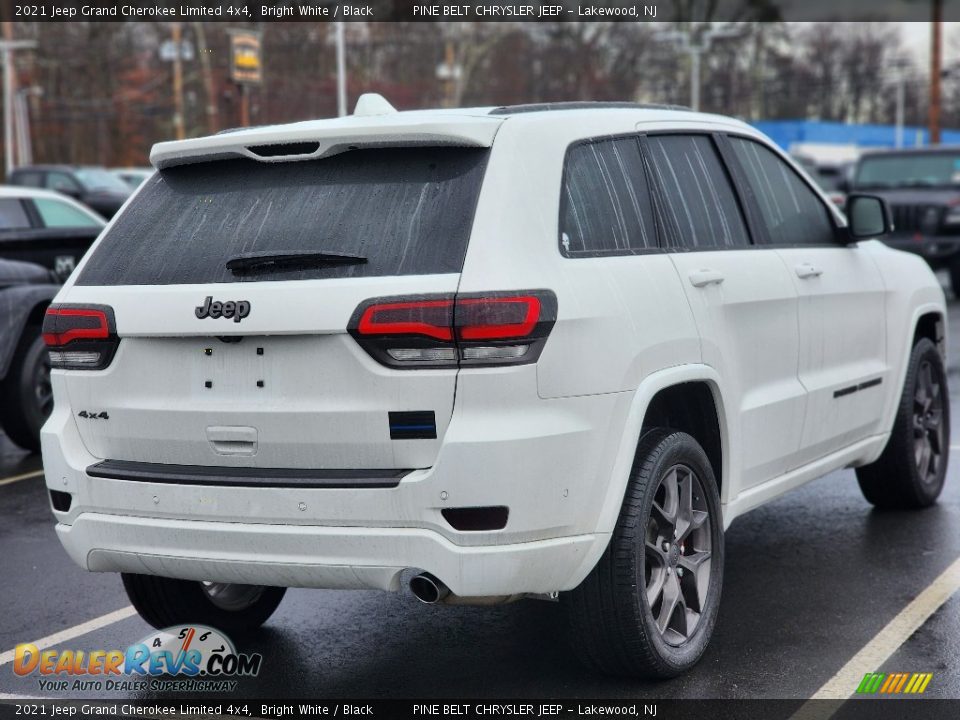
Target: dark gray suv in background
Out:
[922,189]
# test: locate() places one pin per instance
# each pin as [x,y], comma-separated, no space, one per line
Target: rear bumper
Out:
[548,461]
[323,557]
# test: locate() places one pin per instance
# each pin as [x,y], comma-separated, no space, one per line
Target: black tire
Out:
[164,602]
[26,399]
[904,477]
[614,625]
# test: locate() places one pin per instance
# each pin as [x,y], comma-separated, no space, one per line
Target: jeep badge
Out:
[236,309]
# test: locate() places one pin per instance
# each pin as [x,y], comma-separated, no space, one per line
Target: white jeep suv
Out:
[526,351]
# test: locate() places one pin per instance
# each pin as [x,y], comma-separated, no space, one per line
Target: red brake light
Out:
[503,328]
[75,324]
[497,318]
[80,337]
[430,318]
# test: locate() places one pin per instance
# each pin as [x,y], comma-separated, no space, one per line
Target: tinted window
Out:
[28,178]
[605,207]
[62,182]
[12,215]
[407,210]
[791,211]
[56,213]
[697,204]
[928,169]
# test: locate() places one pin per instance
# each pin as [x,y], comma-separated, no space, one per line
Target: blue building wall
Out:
[787,132]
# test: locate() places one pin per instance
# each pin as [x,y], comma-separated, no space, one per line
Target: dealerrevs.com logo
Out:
[193,658]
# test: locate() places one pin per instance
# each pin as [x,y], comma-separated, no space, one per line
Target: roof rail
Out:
[581,105]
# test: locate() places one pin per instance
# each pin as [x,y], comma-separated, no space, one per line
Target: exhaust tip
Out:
[428,589]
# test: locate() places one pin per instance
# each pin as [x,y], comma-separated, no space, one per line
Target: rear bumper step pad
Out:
[245,477]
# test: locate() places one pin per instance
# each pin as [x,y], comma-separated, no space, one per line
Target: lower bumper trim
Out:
[246,477]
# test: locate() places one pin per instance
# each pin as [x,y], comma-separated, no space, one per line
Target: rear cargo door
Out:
[251,365]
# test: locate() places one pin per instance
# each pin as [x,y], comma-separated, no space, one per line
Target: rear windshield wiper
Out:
[245,262]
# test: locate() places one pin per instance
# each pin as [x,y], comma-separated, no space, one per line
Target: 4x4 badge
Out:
[236,309]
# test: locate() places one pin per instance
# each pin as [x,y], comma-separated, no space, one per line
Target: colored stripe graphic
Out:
[894,683]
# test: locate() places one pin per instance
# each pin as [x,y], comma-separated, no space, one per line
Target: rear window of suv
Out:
[407,210]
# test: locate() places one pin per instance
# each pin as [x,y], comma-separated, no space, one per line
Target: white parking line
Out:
[18,478]
[876,652]
[76,631]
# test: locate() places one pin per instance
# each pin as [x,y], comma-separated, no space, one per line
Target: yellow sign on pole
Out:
[245,59]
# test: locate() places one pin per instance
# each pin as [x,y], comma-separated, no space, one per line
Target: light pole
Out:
[899,66]
[341,70]
[683,39]
[6,49]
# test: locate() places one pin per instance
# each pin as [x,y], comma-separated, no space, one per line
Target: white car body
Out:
[554,441]
[21,192]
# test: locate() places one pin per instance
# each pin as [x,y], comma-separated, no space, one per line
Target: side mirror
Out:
[867,217]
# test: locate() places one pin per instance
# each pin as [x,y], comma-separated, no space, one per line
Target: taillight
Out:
[503,328]
[80,337]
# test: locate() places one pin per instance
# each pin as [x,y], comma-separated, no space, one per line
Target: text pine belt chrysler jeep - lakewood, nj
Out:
[542,350]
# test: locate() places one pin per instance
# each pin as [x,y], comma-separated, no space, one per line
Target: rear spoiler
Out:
[319,139]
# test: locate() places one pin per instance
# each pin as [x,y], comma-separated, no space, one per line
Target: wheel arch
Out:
[688,398]
[20,306]
[931,324]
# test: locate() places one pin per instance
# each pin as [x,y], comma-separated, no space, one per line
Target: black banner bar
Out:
[243,11]
[858,709]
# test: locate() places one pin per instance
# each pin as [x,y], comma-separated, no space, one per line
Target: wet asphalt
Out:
[810,579]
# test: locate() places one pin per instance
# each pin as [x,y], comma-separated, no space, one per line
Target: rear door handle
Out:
[806,270]
[705,276]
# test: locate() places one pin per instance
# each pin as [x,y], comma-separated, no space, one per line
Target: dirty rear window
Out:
[407,210]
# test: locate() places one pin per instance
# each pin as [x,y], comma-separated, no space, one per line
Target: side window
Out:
[56,213]
[13,216]
[793,214]
[605,207]
[697,204]
[62,182]
[28,178]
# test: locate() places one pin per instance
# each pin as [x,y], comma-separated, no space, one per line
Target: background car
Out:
[26,398]
[133,176]
[922,188]
[95,187]
[46,228]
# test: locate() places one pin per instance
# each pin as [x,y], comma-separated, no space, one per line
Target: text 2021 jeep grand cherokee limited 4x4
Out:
[531,350]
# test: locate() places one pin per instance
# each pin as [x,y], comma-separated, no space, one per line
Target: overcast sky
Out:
[916,35]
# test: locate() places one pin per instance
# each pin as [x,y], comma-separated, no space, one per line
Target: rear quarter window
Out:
[409,211]
[605,206]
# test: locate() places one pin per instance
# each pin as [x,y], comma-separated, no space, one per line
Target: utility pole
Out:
[936,30]
[7,47]
[899,66]
[176,37]
[208,84]
[684,41]
[341,69]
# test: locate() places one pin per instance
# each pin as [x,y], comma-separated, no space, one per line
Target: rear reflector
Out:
[477,519]
[80,337]
[61,501]
[500,328]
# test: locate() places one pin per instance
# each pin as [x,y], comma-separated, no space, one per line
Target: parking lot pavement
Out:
[810,580]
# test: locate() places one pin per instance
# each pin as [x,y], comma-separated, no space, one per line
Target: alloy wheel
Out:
[677,554]
[928,442]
